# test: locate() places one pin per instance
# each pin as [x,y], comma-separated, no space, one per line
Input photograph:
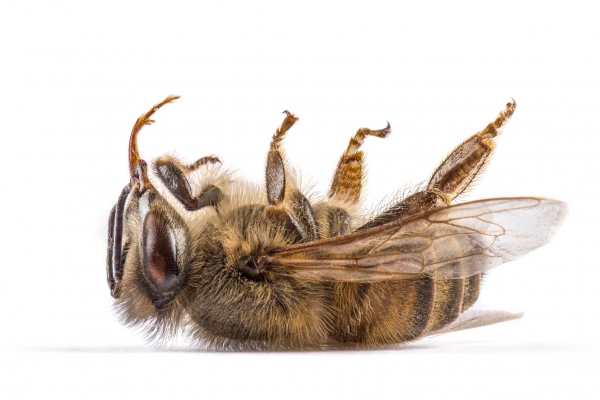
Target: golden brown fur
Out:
[209,279]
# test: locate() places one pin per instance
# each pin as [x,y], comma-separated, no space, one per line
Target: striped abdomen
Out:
[399,311]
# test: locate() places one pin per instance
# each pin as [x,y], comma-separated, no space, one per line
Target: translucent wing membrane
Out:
[474,319]
[449,243]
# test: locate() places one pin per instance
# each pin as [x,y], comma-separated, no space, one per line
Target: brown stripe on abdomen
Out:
[447,303]
[348,304]
[384,312]
[471,291]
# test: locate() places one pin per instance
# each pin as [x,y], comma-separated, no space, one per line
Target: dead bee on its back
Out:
[193,248]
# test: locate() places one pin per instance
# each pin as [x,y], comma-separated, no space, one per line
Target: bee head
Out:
[148,248]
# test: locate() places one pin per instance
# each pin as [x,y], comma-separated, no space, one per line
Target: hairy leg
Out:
[449,180]
[137,166]
[346,186]
[288,207]
[348,177]
[453,175]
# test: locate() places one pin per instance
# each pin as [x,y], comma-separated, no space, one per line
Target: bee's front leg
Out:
[300,220]
[137,166]
[169,170]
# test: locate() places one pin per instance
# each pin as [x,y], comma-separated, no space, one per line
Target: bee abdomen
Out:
[384,312]
[451,298]
[471,291]
[447,303]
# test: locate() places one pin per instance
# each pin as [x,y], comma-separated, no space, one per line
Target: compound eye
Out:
[160,253]
[116,255]
[110,275]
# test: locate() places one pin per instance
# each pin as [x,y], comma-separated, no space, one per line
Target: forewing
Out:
[449,243]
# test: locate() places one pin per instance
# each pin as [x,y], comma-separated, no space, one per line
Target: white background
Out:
[74,76]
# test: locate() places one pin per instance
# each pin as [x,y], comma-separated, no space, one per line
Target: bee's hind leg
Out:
[468,160]
[453,176]
[449,180]
[171,173]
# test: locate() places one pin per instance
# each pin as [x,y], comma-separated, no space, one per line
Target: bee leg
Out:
[468,160]
[348,178]
[453,175]
[346,186]
[451,178]
[300,222]
[303,213]
[171,173]
[137,166]
[275,172]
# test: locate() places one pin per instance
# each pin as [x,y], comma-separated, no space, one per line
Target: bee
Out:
[194,249]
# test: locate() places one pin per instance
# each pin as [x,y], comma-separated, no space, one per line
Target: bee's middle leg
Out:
[453,176]
[348,177]
[346,186]
[287,206]
[449,180]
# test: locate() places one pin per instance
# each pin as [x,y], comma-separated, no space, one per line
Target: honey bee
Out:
[194,249]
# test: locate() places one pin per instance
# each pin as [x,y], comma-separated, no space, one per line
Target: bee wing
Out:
[474,319]
[449,243]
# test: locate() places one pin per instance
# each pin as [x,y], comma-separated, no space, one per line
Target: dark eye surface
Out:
[114,258]
[160,252]
[109,256]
